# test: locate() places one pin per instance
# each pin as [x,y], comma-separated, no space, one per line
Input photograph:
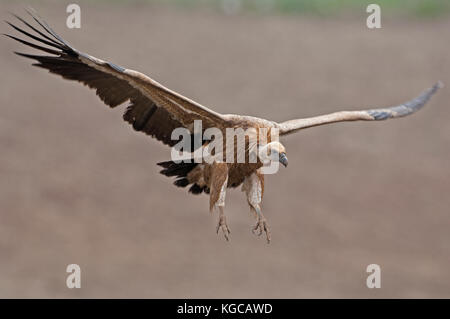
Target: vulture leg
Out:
[254,189]
[219,180]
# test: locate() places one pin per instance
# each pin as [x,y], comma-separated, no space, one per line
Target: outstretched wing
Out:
[153,109]
[404,109]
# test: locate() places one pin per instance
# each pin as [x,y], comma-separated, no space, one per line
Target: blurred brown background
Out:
[78,185]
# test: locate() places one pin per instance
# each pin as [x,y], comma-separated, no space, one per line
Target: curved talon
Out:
[262,225]
[225,229]
[257,227]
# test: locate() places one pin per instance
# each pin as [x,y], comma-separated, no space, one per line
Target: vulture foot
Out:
[262,225]
[224,227]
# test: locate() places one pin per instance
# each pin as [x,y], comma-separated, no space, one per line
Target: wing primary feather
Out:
[35,46]
[58,46]
[45,25]
[34,29]
[48,59]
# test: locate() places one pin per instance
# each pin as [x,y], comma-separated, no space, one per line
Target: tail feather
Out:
[195,189]
[182,182]
[180,171]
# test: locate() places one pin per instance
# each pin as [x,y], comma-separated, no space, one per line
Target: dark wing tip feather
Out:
[34,29]
[45,25]
[52,44]
[52,39]
[406,108]
[32,45]
[422,99]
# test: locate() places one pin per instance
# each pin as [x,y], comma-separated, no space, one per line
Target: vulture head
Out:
[273,151]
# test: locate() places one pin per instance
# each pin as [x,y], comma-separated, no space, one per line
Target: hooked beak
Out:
[283,159]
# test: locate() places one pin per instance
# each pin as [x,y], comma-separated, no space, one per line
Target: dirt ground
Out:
[78,185]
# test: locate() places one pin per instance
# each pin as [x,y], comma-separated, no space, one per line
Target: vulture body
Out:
[157,111]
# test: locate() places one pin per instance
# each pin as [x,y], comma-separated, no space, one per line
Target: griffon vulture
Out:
[157,111]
